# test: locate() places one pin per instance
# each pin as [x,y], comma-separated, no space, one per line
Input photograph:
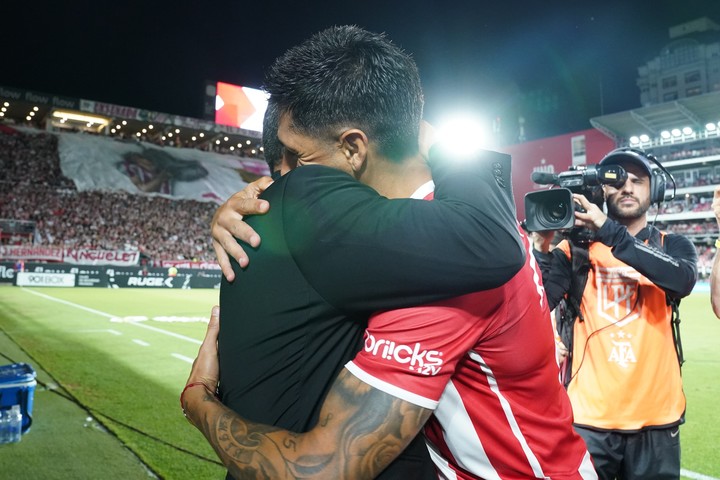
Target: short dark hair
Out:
[272,148]
[347,76]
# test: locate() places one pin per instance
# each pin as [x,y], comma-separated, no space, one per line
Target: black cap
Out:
[632,155]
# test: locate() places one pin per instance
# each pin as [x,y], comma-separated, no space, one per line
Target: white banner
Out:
[98,162]
[78,256]
[29,279]
[19,252]
[84,256]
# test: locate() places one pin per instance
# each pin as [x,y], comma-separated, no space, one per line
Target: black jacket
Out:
[333,251]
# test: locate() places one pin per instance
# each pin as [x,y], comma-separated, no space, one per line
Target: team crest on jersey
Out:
[617,294]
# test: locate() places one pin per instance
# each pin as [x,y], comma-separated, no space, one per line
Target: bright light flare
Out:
[462,134]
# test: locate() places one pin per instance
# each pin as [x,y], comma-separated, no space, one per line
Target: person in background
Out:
[624,382]
[715,274]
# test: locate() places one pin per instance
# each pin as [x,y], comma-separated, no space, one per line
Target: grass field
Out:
[128,375]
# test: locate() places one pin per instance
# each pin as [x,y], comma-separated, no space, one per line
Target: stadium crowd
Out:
[32,188]
[690,153]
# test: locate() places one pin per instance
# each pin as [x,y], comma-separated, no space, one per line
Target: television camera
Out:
[554,209]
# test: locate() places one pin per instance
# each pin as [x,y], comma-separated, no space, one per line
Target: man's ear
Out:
[354,145]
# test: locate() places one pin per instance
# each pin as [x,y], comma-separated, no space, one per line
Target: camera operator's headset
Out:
[658,176]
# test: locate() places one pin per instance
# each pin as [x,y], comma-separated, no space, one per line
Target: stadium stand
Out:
[96,210]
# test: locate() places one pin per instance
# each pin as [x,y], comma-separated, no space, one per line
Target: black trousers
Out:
[648,454]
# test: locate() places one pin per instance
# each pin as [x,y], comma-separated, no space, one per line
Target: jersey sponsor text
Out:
[426,362]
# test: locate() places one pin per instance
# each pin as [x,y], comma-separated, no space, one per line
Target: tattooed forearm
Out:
[360,431]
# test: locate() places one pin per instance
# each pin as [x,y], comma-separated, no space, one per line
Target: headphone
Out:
[658,176]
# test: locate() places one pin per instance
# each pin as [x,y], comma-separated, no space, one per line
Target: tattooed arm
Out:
[360,431]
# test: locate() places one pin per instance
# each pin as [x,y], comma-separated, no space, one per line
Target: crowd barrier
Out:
[105,276]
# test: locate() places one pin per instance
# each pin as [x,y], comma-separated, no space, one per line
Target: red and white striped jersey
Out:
[485,363]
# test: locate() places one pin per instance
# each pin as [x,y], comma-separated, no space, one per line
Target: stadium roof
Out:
[694,112]
[42,110]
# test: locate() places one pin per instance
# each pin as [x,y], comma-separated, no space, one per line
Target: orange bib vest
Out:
[625,372]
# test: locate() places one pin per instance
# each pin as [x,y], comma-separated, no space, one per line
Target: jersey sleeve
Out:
[411,353]
[364,252]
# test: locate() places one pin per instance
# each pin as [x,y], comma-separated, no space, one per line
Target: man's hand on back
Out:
[228,224]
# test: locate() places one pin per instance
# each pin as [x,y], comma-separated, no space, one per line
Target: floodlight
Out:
[710,126]
[665,134]
[634,140]
[461,134]
[644,138]
[687,131]
[675,132]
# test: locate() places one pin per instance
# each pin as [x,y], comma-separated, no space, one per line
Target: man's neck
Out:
[397,179]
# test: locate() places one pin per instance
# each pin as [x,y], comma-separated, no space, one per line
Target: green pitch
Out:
[129,374]
[125,355]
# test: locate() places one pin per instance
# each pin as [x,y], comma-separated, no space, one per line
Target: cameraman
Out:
[624,381]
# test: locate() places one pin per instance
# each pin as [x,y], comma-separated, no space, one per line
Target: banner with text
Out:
[29,279]
[53,274]
[78,256]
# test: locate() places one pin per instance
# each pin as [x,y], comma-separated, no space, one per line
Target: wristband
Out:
[189,385]
[717,243]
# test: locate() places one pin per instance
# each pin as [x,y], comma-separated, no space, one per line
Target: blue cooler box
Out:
[17,387]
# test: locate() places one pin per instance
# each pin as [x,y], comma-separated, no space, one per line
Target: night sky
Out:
[555,63]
